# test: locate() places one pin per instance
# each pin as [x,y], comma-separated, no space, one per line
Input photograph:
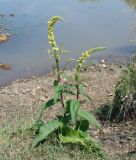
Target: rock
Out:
[104,65]
[4,37]
[107,130]
[43,99]
[122,141]
[102,61]
[5,66]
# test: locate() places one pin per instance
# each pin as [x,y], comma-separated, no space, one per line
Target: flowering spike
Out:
[51,35]
[86,55]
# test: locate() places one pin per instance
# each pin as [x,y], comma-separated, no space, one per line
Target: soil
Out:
[22,100]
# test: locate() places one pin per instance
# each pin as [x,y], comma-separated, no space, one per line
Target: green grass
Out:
[123,106]
[15,144]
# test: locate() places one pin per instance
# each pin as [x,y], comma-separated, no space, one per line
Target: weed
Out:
[72,127]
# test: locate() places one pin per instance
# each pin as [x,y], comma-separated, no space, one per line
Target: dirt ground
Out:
[22,99]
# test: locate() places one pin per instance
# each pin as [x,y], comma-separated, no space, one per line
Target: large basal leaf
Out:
[78,137]
[74,106]
[90,117]
[45,130]
[71,139]
[57,91]
[72,136]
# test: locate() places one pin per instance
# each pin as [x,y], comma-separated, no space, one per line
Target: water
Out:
[88,23]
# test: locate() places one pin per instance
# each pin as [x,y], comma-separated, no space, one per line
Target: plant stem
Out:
[77,91]
[77,78]
[59,79]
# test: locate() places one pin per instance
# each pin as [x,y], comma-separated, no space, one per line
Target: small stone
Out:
[4,37]
[129,138]
[102,61]
[122,141]
[104,65]
[107,130]
[5,66]
[43,99]
[23,91]
[107,141]
[110,94]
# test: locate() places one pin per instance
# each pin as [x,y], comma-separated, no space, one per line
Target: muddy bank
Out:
[21,100]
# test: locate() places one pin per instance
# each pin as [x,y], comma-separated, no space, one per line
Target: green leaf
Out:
[68,89]
[69,92]
[78,137]
[90,117]
[71,139]
[82,92]
[82,125]
[45,106]
[48,104]
[74,106]
[45,130]
[87,96]
[57,90]
[81,88]
[64,119]
[72,136]
[35,127]
[69,86]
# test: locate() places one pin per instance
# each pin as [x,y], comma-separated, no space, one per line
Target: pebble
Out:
[104,65]
[102,61]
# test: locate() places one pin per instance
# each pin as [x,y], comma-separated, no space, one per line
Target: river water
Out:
[87,23]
